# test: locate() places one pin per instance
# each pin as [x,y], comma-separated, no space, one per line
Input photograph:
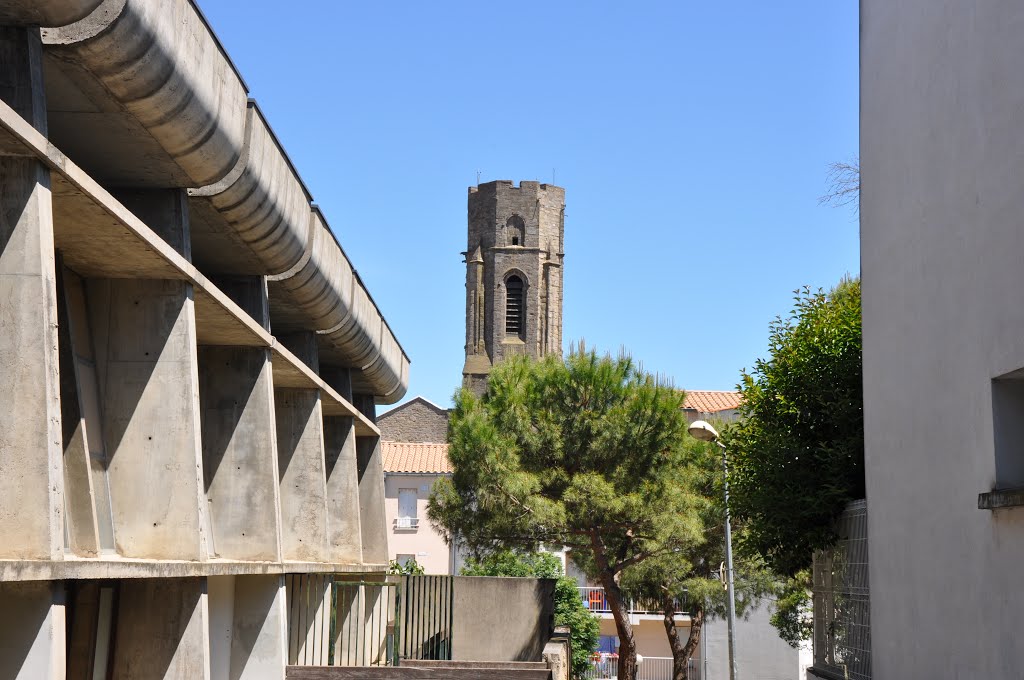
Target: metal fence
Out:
[426,607]
[336,621]
[595,600]
[650,668]
[842,625]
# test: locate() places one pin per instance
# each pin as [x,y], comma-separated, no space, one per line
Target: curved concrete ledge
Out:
[262,200]
[159,60]
[45,12]
[327,289]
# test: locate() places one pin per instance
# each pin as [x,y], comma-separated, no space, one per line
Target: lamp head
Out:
[703,431]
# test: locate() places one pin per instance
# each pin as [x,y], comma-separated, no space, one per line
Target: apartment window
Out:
[404,559]
[514,326]
[407,515]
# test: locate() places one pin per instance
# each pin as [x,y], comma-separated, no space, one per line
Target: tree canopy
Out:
[687,580]
[797,453]
[586,452]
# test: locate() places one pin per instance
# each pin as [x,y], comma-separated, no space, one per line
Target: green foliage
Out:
[797,455]
[512,563]
[584,627]
[568,452]
[791,609]
[586,452]
[410,568]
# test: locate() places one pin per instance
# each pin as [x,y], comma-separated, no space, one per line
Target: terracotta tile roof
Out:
[415,457]
[710,401]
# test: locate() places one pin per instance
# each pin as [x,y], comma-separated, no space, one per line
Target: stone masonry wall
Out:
[415,421]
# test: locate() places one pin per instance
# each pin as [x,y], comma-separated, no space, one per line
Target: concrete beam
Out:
[147,59]
[127,568]
[100,238]
[31,460]
[45,12]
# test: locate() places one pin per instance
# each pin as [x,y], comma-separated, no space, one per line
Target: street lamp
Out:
[704,432]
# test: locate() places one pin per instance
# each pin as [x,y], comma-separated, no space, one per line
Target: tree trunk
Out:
[679,657]
[620,611]
[620,614]
[696,627]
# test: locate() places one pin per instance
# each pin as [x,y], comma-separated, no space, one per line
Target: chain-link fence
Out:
[842,614]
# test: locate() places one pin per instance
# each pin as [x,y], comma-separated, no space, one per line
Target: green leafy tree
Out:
[797,453]
[584,627]
[687,580]
[585,452]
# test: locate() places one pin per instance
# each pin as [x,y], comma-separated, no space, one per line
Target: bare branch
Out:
[843,185]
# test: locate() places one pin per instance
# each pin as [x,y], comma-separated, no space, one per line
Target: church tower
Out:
[513,275]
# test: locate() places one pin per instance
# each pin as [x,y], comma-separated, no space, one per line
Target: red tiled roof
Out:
[415,457]
[710,401]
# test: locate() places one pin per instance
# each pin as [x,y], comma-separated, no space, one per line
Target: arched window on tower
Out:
[515,231]
[515,325]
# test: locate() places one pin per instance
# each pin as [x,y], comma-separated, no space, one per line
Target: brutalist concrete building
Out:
[189,362]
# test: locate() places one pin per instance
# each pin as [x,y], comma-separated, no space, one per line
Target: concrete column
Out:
[144,339]
[32,631]
[81,522]
[31,475]
[343,527]
[259,640]
[236,394]
[300,448]
[370,464]
[162,630]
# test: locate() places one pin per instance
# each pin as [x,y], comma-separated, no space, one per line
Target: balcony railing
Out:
[407,523]
[605,667]
[596,601]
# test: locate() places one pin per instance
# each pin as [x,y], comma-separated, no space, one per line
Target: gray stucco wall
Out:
[942,107]
[502,619]
[414,421]
[760,652]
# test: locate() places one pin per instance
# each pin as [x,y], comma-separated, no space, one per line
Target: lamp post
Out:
[703,431]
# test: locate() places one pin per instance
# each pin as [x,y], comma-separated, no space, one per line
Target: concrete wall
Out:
[414,421]
[942,105]
[424,542]
[760,652]
[502,619]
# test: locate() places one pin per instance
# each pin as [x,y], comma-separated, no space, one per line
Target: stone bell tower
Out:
[513,275]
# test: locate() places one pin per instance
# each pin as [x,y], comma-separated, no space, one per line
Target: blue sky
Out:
[692,138]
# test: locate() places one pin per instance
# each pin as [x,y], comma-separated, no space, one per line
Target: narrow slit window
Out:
[514,325]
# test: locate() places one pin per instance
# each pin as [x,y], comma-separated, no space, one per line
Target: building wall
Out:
[649,634]
[942,105]
[414,421]
[758,646]
[429,548]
